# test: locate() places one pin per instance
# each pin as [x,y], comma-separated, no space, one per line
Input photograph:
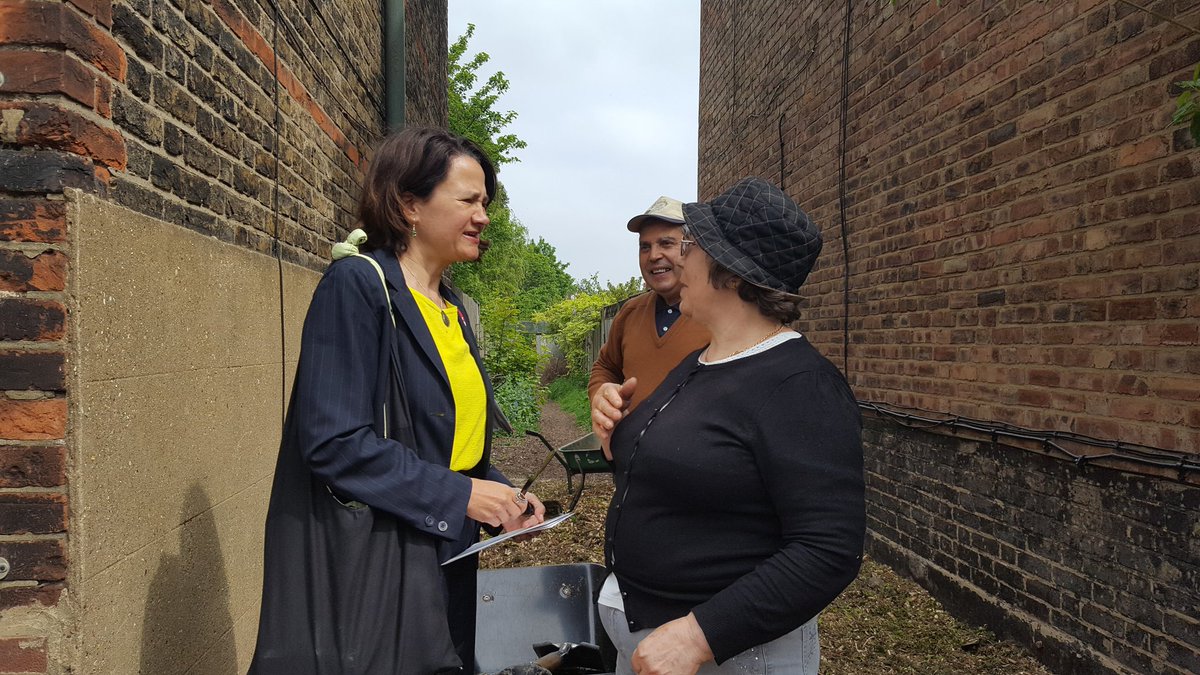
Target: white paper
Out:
[488,543]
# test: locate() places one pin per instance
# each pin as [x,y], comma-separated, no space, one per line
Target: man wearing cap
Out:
[648,336]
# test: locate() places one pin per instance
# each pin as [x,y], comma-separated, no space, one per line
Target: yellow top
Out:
[466,384]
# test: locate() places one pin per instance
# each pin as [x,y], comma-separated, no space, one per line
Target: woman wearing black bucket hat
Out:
[739,512]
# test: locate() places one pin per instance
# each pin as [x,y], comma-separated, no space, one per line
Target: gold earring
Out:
[414,231]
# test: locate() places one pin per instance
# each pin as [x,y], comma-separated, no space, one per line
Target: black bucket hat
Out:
[757,232]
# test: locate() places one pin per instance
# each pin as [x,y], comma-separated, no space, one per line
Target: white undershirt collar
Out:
[763,346]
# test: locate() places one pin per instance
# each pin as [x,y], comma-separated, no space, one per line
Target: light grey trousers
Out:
[797,653]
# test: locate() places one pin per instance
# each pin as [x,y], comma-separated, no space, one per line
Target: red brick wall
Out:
[1092,568]
[60,64]
[210,115]
[1022,218]
[1022,234]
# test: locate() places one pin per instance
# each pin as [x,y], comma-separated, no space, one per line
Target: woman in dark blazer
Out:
[384,467]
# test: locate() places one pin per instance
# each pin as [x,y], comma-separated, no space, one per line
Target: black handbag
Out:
[348,589]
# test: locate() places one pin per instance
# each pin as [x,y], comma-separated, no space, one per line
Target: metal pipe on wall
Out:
[394,62]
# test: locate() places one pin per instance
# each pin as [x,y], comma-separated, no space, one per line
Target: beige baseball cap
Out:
[663,208]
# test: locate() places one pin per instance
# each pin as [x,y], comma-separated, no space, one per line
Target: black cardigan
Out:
[743,502]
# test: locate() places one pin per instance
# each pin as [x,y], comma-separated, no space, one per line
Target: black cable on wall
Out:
[842,194]
[782,149]
[276,246]
[1053,442]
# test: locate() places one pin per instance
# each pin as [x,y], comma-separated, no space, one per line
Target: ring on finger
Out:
[519,498]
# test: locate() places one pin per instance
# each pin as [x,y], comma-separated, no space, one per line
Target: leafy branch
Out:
[1187,112]
[471,110]
[573,319]
[1187,108]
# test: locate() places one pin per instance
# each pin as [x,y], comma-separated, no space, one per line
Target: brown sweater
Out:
[633,348]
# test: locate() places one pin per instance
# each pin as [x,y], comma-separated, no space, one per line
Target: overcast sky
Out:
[606,97]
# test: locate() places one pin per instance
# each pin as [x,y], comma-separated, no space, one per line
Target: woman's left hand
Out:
[522,521]
[675,648]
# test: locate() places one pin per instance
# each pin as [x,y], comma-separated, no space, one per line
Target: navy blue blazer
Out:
[341,376]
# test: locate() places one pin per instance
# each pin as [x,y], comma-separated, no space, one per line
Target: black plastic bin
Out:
[519,607]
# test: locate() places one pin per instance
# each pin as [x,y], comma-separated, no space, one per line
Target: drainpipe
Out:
[394,62]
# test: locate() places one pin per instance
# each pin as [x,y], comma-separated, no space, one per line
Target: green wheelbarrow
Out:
[578,458]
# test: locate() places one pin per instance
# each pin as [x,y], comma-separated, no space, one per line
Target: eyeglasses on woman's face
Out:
[685,245]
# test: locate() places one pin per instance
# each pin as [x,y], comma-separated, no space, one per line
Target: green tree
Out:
[616,292]
[545,279]
[573,319]
[515,277]
[528,273]
[472,111]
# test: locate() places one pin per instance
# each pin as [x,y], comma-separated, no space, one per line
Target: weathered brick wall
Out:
[1093,567]
[224,117]
[1021,215]
[426,29]
[1021,231]
[58,66]
[199,109]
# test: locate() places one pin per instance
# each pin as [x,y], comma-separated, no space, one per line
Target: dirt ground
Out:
[579,539]
[882,623]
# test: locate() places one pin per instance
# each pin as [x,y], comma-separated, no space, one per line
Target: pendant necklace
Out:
[442,310]
[766,337]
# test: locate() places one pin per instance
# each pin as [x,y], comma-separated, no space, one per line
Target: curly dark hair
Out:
[411,162]
[773,304]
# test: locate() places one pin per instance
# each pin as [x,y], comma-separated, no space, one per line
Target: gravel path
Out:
[580,539]
[521,456]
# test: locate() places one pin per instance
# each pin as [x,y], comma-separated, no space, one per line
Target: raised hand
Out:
[608,408]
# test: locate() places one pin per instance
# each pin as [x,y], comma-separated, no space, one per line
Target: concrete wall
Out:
[178,374]
[1010,236]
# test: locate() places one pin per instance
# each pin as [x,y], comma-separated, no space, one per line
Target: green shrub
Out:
[553,367]
[571,321]
[511,362]
[521,399]
[506,350]
[570,392]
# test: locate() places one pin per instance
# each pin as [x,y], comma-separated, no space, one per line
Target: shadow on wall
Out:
[188,625]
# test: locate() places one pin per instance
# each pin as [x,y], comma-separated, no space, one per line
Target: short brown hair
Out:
[411,162]
[773,304]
